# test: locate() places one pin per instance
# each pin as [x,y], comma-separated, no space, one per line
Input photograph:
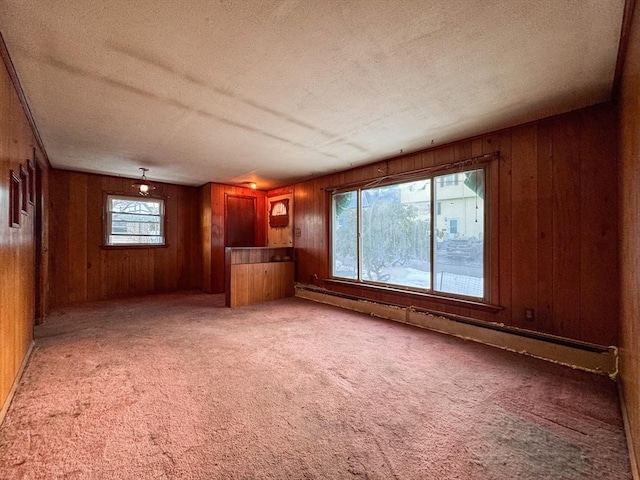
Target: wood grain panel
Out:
[524,240]
[541,229]
[566,227]
[599,227]
[629,200]
[544,281]
[77,240]
[94,237]
[59,291]
[83,270]
[189,258]
[18,145]
[252,283]
[205,234]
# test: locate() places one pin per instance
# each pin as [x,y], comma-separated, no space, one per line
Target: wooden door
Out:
[240,221]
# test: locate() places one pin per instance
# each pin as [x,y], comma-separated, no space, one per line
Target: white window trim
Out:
[108,223]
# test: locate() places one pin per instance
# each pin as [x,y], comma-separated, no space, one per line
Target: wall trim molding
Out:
[623,44]
[589,357]
[16,382]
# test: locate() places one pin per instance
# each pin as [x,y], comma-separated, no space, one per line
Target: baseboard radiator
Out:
[581,355]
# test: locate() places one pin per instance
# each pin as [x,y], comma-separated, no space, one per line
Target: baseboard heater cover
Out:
[581,355]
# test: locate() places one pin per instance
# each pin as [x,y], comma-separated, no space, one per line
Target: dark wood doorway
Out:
[240,221]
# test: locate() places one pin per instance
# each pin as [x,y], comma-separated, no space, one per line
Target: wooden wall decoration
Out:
[280,236]
[279,213]
[552,226]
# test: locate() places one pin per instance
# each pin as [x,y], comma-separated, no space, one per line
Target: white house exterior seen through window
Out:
[426,234]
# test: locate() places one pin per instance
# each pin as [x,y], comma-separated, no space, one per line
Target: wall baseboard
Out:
[592,358]
[16,382]
[635,468]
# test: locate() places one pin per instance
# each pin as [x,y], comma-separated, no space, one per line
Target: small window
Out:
[132,221]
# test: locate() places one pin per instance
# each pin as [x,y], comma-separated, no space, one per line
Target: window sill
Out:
[131,247]
[442,299]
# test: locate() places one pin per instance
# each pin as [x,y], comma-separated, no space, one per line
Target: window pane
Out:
[395,234]
[130,217]
[135,225]
[345,235]
[134,221]
[123,205]
[459,223]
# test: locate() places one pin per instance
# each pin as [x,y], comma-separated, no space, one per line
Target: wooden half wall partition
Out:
[552,232]
[82,269]
[22,287]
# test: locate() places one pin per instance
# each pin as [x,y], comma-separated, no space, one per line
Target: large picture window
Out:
[133,221]
[392,235]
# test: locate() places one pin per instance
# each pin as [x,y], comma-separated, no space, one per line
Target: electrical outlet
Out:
[298,232]
[529,314]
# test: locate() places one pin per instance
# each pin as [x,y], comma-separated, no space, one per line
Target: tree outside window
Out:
[386,234]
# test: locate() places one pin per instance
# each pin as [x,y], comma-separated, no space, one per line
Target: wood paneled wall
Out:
[552,204]
[630,234]
[82,270]
[212,213]
[17,245]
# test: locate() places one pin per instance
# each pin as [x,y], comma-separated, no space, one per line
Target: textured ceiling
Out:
[277,91]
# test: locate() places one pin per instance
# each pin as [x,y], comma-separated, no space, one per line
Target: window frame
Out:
[107,223]
[31,171]
[426,292]
[24,190]
[14,199]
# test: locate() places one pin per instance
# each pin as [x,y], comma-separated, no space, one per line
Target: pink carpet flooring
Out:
[176,387]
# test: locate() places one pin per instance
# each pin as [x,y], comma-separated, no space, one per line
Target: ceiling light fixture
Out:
[252,185]
[143,185]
